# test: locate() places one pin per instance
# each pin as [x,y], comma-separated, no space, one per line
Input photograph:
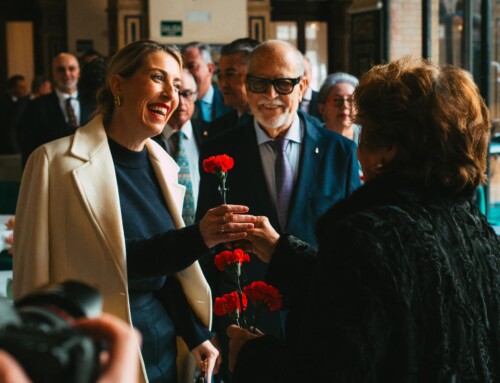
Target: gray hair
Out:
[204,49]
[332,80]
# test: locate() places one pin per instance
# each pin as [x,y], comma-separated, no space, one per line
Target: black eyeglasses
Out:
[281,85]
[188,94]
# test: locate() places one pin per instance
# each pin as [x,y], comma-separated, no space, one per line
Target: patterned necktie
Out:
[284,181]
[71,114]
[181,158]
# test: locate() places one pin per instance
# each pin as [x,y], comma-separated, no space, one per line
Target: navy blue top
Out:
[159,308]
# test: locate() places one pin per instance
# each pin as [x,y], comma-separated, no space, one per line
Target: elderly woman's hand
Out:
[238,337]
[226,223]
[262,240]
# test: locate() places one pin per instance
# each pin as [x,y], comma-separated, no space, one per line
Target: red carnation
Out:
[260,293]
[215,164]
[228,303]
[228,257]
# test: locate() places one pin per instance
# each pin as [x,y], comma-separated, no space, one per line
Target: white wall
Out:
[88,20]
[209,21]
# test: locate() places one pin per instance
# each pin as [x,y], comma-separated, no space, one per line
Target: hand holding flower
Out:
[225,223]
[238,337]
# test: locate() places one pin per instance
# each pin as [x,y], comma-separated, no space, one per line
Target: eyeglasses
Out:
[339,101]
[281,85]
[188,94]
[229,75]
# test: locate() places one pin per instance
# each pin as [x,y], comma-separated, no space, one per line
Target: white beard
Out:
[277,122]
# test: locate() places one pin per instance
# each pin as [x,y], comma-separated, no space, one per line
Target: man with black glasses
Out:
[287,166]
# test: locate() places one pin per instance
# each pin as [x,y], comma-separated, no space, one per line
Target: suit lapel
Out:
[96,182]
[310,158]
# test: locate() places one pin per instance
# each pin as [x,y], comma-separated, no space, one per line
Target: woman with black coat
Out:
[405,283]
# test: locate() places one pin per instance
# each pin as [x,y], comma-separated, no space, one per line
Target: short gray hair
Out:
[204,49]
[332,80]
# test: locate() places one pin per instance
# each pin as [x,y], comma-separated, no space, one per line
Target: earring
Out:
[117,100]
[380,165]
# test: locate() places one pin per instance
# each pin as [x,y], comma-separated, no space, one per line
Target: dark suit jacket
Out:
[224,123]
[44,122]
[8,139]
[328,172]
[313,106]
[218,107]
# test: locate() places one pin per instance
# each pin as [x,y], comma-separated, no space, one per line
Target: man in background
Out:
[309,103]
[16,90]
[57,114]
[198,61]
[233,68]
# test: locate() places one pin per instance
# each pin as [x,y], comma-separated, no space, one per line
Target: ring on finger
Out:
[204,365]
[224,217]
[222,229]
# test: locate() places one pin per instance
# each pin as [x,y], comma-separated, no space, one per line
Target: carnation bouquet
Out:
[235,303]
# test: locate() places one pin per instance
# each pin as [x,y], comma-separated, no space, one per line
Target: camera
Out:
[37,332]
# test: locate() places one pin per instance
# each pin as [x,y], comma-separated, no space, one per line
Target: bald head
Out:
[281,53]
[65,72]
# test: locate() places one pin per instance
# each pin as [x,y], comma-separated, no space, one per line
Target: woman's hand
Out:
[237,339]
[226,223]
[262,240]
[122,364]
[207,358]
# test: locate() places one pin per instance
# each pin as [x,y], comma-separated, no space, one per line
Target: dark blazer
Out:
[8,135]
[313,106]
[328,172]
[312,109]
[44,122]
[218,106]
[404,288]
[224,123]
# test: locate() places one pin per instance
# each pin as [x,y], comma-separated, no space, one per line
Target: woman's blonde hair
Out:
[434,116]
[125,63]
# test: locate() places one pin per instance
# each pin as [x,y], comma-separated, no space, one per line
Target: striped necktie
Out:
[184,177]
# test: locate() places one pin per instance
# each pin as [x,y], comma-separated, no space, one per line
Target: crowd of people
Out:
[392,276]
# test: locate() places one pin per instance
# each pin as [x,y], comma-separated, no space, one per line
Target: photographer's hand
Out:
[10,370]
[122,365]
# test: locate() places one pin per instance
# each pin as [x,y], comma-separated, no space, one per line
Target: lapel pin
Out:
[316,150]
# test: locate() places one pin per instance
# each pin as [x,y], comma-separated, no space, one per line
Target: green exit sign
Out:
[171,28]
